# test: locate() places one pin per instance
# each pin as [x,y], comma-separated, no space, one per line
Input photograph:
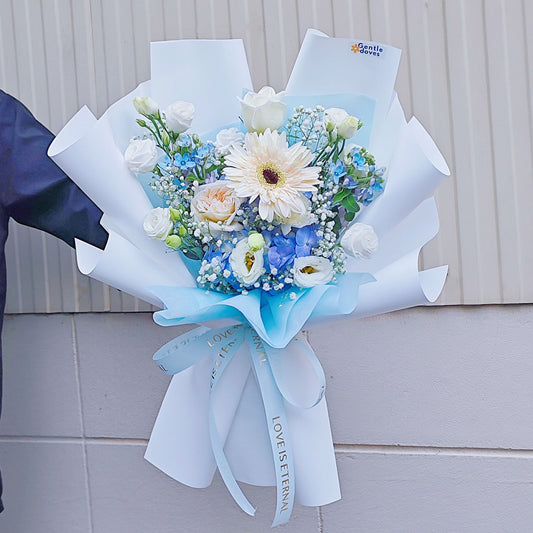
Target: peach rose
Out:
[216,204]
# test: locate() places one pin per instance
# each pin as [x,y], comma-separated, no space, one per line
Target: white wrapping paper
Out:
[211,74]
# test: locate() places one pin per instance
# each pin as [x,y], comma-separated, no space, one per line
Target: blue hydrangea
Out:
[306,239]
[281,252]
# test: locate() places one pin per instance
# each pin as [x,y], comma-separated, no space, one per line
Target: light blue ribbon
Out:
[278,428]
[222,345]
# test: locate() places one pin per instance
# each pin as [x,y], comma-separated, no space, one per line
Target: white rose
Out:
[145,105]
[141,155]
[312,270]
[246,264]
[216,203]
[179,116]
[360,241]
[348,127]
[157,223]
[263,110]
[344,124]
[226,139]
[335,115]
[296,219]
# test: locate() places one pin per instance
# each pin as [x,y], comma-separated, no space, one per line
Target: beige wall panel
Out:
[465,73]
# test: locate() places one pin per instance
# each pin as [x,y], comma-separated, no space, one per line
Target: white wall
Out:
[465,73]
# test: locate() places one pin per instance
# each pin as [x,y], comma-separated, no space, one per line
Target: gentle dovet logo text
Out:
[368,49]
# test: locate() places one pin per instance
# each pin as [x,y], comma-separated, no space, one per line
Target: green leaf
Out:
[341,195]
[349,216]
[350,204]
[337,226]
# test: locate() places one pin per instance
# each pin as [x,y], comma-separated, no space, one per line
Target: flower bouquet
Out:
[256,213]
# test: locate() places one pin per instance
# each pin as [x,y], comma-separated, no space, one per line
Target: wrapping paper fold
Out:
[405,218]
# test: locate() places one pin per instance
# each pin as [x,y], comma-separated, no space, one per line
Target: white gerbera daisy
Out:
[266,167]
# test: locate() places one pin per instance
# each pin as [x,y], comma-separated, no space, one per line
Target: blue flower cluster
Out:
[236,249]
[283,249]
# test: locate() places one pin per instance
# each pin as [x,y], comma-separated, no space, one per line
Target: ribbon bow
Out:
[267,364]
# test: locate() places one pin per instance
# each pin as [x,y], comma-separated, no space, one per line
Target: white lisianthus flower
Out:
[348,127]
[360,241]
[263,110]
[345,125]
[312,270]
[179,116]
[158,223]
[145,105]
[246,264]
[216,204]
[141,155]
[296,219]
[226,138]
[335,115]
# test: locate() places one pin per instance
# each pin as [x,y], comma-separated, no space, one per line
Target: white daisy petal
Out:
[266,167]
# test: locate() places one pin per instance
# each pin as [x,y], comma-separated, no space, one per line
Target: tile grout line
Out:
[340,449]
[73,440]
[320,520]
[397,449]
[82,422]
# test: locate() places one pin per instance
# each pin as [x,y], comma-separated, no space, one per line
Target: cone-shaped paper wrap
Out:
[250,400]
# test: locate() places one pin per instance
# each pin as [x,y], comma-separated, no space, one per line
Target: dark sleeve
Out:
[33,189]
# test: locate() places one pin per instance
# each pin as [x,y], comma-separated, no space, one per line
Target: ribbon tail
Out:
[278,429]
[220,364]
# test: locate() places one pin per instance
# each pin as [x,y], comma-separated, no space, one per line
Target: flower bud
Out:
[165,138]
[182,231]
[175,214]
[174,241]
[348,127]
[145,106]
[255,241]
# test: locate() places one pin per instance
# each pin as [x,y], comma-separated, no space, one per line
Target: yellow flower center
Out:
[270,174]
[308,269]
[249,260]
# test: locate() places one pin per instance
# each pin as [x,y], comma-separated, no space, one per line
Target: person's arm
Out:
[33,189]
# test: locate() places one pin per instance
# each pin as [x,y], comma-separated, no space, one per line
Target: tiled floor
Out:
[430,410]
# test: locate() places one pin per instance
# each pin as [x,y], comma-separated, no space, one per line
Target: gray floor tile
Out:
[130,495]
[41,394]
[45,488]
[400,493]
[122,388]
[454,376]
